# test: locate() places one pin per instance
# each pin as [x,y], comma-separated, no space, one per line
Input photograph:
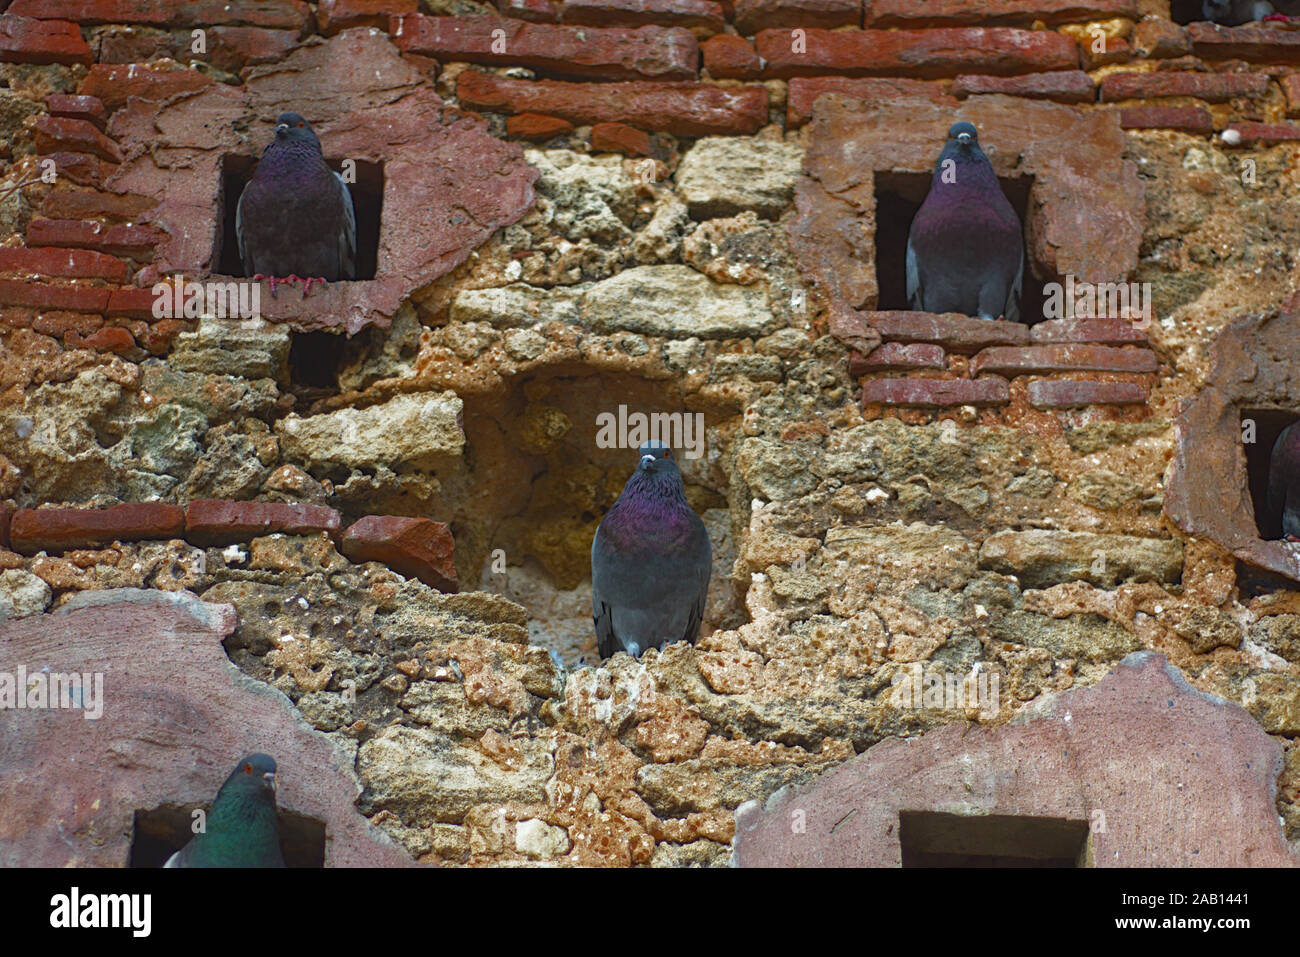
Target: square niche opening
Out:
[367,201]
[1186,11]
[934,839]
[1259,431]
[898,197]
[158,834]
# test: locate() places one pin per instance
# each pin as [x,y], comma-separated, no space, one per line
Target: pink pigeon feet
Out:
[290,280]
[1279,17]
[1291,538]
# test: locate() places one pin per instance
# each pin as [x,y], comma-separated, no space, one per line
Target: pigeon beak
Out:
[646,462]
[282,128]
[269,778]
[964,138]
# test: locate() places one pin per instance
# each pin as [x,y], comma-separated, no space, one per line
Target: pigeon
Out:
[295,218]
[965,249]
[1284,482]
[1233,13]
[650,562]
[243,828]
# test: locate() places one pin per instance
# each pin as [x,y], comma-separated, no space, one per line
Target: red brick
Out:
[1113,50]
[1210,87]
[1291,87]
[24,40]
[114,83]
[55,133]
[803,92]
[1067,357]
[1265,133]
[925,54]
[701,17]
[93,204]
[59,529]
[130,301]
[1064,86]
[536,11]
[662,53]
[158,340]
[1189,119]
[113,339]
[755,15]
[425,64]
[1070,393]
[535,126]
[336,15]
[135,242]
[942,13]
[169,13]
[1104,331]
[955,332]
[414,547]
[1159,38]
[233,48]
[729,57]
[936,393]
[50,262]
[897,356]
[683,109]
[82,168]
[214,521]
[36,295]
[89,108]
[621,138]
[59,324]
[1252,44]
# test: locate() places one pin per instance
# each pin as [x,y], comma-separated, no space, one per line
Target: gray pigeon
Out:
[1284,481]
[1233,13]
[965,249]
[243,827]
[650,561]
[295,219]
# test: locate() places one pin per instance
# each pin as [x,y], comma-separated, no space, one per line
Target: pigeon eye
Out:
[248,769]
[301,125]
[668,453]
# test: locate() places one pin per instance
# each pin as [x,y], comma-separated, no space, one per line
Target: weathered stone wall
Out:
[640,204]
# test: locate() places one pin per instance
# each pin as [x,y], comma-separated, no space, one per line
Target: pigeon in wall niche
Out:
[650,561]
[965,250]
[295,220]
[1284,481]
[242,829]
[1233,13]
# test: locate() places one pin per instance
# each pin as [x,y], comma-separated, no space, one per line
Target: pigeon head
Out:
[964,138]
[290,127]
[255,772]
[656,458]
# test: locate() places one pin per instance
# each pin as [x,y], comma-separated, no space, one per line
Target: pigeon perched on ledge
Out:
[295,219]
[650,562]
[965,249]
[1233,13]
[243,827]
[1284,481]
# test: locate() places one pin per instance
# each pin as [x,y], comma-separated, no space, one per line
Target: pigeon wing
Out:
[245,254]
[348,237]
[1012,311]
[913,278]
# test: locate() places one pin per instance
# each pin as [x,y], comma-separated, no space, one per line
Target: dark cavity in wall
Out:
[367,201]
[1186,11]
[898,197]
[158,834]
[1259,431]
[933,839]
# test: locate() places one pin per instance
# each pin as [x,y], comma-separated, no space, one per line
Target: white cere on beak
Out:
[270,779]
[645,459]
[964,137]
[283,127]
